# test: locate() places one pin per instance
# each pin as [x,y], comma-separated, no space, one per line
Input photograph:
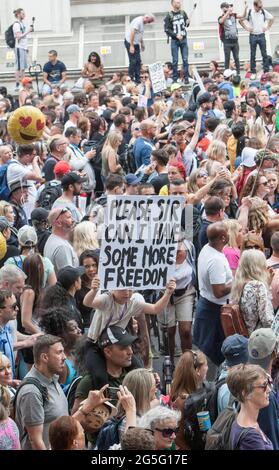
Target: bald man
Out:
[58,248]
[215,282]
[144,144]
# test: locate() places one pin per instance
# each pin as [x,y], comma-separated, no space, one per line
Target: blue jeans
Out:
[255,40]
[134,62]
[183,46]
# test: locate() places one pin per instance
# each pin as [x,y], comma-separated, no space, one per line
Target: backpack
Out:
[70,392]
[4,188]
[204,399]
[48,196]
[18,261]
[109,435]
[218,436]
[232,321]
[30,380]
[10,37]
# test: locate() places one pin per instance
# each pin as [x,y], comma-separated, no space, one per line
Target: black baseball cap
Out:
[205,98]
[71,178]
[116,335]
[40,214]
[68,275]
[225,5]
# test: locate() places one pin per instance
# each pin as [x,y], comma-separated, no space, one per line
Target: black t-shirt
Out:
[203,240]
[86,312]
[54,71]
[49,167]
[20,216]
[160,181]
[11,252]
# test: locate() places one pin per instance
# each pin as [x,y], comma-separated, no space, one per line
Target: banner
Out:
[139,243]
[157,77]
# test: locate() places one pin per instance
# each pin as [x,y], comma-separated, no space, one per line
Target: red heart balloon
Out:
[24,122]
[40,125]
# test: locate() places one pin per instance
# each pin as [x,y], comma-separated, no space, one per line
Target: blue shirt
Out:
[6,345]
[227,86]
[54,71]
[142,151]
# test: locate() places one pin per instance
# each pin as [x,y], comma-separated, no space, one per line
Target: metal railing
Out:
[204,45]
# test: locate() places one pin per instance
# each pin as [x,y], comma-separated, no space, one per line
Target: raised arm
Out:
[154,309]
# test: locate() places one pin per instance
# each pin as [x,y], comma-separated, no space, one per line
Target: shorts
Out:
[20,58]
[181,310]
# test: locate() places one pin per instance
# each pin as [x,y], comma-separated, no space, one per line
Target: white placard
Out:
[142,102]
[157,77]
[139,243]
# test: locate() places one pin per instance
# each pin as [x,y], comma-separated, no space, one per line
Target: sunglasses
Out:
[202,174]
[254,247]
[63,211]
[167,432]
[267,383]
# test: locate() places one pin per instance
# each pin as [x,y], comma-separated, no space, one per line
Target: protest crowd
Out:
[87,304]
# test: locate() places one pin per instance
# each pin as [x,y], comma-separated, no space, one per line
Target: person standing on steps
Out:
[228,33]
[134,44]
[258,21]
[176,23]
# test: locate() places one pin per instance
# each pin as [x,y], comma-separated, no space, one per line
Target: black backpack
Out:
[9,35]
[48,196]
[204,399]
[109,435]
[71,392]
[30,380]
[219,435]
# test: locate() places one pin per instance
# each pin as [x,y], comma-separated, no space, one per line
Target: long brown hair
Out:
[185,378]
[33,267]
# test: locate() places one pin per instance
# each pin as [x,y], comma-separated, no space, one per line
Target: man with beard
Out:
[71,185]
[205,104]
[121,125]
[58,248]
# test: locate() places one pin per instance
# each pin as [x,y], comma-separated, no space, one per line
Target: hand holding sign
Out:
[95,285]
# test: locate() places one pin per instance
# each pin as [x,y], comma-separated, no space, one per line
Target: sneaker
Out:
[17,88]
[253,76]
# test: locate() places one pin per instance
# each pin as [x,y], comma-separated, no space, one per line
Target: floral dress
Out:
[256,306]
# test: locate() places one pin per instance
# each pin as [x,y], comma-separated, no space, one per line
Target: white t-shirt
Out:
[17,172]
[68,124]
[182,275]
[257,20]
[213,268]
[20,28]
[111,313]
[137,26]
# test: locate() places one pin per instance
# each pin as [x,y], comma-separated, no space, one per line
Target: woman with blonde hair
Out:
[232,249]
[9,433]
[216,156]
[110,162]
[252,241]
[85,237]
[257,130]
[222,133]
[251,386]
[251,290]
[141,384]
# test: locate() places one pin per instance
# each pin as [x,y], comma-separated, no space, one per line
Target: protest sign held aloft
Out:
[140,242]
